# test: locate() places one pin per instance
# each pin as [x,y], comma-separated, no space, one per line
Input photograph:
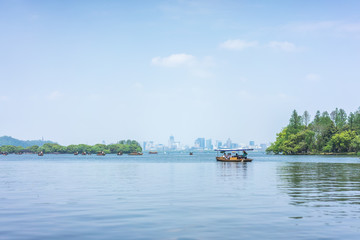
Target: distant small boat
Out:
[83,153]
[136,153]
[191,153]
[153,152]
[41,153]
[76,153]
[120,153]
[102,153]
[5,153]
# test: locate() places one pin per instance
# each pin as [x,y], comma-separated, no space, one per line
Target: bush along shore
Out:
[129,146]
[337,133]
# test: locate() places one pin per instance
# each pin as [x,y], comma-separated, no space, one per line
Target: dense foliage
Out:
[122,146]
[336,132]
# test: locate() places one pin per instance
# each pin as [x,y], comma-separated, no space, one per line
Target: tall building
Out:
[171,141]
[228,143]
[252,143]
[144,146]
[200,143]
[218,144]
[209,144]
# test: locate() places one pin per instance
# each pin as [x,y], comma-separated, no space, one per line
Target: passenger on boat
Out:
[244,155]
[237,155]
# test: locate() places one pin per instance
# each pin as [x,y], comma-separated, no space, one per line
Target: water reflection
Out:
[320,184]
[231,169]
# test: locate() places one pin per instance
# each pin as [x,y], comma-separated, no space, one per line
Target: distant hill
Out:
[6,140]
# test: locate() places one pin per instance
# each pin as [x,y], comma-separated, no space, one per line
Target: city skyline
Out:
[199,144]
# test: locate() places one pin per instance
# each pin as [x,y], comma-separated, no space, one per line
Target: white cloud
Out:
[197,67]
[284,46]
[238,44]
[312,77]
[174,60]
[54,95]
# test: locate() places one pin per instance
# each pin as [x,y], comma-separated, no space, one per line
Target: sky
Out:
[91,71]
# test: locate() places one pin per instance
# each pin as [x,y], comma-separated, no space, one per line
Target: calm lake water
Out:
[177,196]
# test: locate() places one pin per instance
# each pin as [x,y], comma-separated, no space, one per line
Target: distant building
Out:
[209,144]
[252,143]
[144,146]
[234,145]
[171,142]
[228,143]
[218,144]
[200,143]
[263,146]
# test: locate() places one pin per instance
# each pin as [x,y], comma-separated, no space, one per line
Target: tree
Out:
[8,148]
[355,144]
[350,121]
[341,142]
[306,118]
[356,122]
[294,123]
[33,149]
[339,117]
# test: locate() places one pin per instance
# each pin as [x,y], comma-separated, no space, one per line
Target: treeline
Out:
[337,132]
[123,146]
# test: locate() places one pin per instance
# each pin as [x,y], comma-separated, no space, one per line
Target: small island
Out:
[128,146]
[336,133]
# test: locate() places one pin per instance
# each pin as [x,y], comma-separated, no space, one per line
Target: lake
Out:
[178,196]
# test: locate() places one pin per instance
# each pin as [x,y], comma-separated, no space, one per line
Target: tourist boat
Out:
[227,157]
[191,153]
[5,153]
[41,153]
[83,153]
[120,153]
[102,153]
[76,153]
[136,153]
[153,152]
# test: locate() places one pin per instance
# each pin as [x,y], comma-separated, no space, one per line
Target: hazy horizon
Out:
[88,71]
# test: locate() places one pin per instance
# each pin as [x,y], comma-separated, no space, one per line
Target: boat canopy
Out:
[234,150]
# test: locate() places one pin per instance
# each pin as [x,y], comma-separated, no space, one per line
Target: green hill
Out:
[7,140]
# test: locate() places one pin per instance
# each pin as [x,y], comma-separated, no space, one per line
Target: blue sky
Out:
[87,71]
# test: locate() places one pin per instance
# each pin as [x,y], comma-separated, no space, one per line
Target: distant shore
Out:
[128,146]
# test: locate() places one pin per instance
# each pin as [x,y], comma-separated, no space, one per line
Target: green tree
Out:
[355,144]
[294,123]
[33,149]
[306,118]
[339,117]
[341,142]
[8,148]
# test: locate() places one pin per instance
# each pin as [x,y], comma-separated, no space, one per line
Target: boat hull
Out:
[233,159]
[135,153]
